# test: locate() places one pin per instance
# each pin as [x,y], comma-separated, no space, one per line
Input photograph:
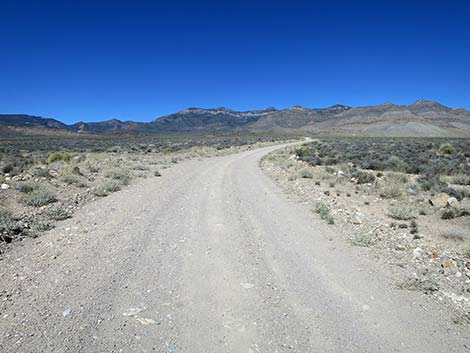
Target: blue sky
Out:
[137,60]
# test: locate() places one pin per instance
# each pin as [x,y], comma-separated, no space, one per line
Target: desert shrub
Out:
[458,194]
[41,172]
[461,179]
[330,170]
[38,198]
[302,152]
[363,177]
[396,164]
[107,187]
[26,187]
[157,173]
[452,234]
[39,227]
[70,179]
[140,167]
[426,284]
[466,252]
[363,237]
[401,212]
[450,213]
[58,156]
[414,229]
[447,148]
[431,183]
[306,173]
[121,175]
[392,191]
[58,213]
[325,212]
[7,222]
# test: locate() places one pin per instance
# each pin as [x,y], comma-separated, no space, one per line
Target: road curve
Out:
[211,257]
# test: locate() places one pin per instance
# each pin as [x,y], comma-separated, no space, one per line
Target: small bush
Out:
[70,178]
[107,187]
[58,214]
[466,252]
[38,198]
[7,224]
[448,213]
[120,175]
[58,156]
[306,173]
[392,191]
[461,179]
[41,173]
[364,238]
[447,148]
[426,284]
[26,187]
[452,234]
[396,164]
[364,178]
[401,212]
[157,173]
[414,229]
[302,152]
[325,212]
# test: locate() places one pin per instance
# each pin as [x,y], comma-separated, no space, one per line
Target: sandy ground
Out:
[211,257]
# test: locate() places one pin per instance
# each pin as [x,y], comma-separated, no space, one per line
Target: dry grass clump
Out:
[107,187]
[38,198]
[324,211]
[119,174]
[401,212]
[306,173]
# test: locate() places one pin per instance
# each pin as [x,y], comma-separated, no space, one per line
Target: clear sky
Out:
[137,60]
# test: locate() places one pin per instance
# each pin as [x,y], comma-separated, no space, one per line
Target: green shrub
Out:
[120,175]
[325,212]
[58,156]
[396,163]
[364,178]
[306,173]
[302,152]
[157,173]
[38,198]
[391,191]
[41,172]
[461,179]
[363,237]
[466,252]
[7,222]
[26,187]
[447,148]
[107,187]
[401,212]
[58,214]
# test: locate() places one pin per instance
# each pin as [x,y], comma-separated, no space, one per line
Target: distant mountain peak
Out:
[339,107]
[424,102]
[298,107]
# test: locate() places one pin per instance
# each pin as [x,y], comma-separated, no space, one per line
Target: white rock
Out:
[417,252]
[5,186]
[452,202]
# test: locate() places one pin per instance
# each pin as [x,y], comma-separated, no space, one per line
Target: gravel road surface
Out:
[211,257]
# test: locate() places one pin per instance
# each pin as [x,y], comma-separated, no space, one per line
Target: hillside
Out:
[422,118]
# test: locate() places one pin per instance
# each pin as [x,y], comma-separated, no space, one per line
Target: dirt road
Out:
[210,257]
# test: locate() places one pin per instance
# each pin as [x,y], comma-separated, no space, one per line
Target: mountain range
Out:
[422,118]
